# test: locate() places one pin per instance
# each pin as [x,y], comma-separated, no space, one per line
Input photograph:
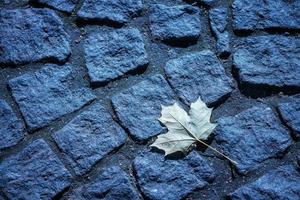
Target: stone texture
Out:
[61,5]
[47,94]
[251,137]
[282,183]
[161,179]
[112,184]
[175,23]
[30,35]
[138,108]
[290,113]
[265,14]
[218,21]
[198,74]
[268,62]
[89,137]
[33,173]
[112,54]
[113,11]
[12,129]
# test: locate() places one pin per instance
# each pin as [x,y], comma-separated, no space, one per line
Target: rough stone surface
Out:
[268,61]
[112,184]
[30,35]
[12,129]
[282,183]
[112,54]
[48,94]
[290,113]
[33,173]
[175,23]
[265,14]
[89,137]
[138,107]
[61,5]
[113,11]
[218,22]
[198,74]
[161,179]
[251,137]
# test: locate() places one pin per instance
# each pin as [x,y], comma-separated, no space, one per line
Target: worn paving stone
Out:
[265,14]
[218,21]
[89,137]
[199,74]
[251,137]
[12,129]
[138,108]
[30,35]
[175,23]
[266,63]
[112,184]
[112,54]
[282,183]
[113,11]
[161,179]
[33,173]
[47,94]
[290,113]
[61,5]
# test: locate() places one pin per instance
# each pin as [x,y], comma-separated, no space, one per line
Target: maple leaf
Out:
[184,130]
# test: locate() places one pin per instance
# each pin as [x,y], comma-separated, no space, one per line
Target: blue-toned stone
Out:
[290,113]
[199,74]
[138,108]
[162,179]
[265,63]
[30,35]
[33,173]
[218,21]
[112,184]
[48,94]
[110,55]
[175,23]
[265,14]
[113,11]
[61,5]
[282,183]
[12,129]
[251,137]
[88,138]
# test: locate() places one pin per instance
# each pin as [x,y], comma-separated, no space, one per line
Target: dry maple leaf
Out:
[184,129]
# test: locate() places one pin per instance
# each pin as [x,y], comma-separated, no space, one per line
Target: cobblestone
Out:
[252,137]
[281,183]
[47,94]
[161,179]
[268,63]
[259,14]
[138,108]
[199,74]
[61,5]
[290,113]
[34,173]
[12,129]
[30,35]
[113,11]
[89,137]
[113,183]
[175,24]
[113,54]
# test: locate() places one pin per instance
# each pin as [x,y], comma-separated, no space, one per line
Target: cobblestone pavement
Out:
[82,82]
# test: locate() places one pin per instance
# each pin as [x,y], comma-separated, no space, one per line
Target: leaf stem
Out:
[215,150]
